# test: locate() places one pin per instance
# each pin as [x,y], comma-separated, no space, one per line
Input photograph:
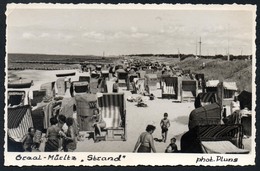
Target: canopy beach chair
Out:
[226,92]
[205,115]
[49,88]
[211,86]
[85,104]
[171,87]
[220,139]
[84,78]
[151,81]
[130,81]
[245,99]
[105,74]
[113,112]
[18,97]
[122,76]
[19,121]
[189,90]
[79,88]
[204,99]
[60,86]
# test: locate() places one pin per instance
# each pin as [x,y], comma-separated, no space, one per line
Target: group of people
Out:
[60,136]
[145,142]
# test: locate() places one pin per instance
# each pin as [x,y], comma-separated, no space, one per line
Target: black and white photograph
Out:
[94,80]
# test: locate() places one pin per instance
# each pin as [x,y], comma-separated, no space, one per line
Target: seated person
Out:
[140,102]
[28,143]
[151,97]
[172,147]
[99,122]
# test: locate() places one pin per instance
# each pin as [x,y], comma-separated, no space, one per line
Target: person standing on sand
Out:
[145,142]
[53,137]
[70,142]
[235,105]
[115,87]
[165,124]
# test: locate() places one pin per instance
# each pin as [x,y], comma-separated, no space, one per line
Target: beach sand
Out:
[137,118]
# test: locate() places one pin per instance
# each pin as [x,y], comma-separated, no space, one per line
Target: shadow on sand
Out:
[182,120]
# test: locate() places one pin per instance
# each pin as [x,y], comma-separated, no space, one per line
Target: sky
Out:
[118,31]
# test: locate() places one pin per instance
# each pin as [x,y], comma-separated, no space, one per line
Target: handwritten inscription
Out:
[100,158]
[69,157]
[216,159]
[50,157]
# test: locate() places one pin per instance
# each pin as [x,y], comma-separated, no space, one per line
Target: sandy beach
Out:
[137,118]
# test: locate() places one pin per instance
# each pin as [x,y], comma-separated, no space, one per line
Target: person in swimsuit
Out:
[70,142]
[165,124]
[145,142]
[172,147]
[115,87]
[99,122]
[53,137]
[235,105]
[28,141]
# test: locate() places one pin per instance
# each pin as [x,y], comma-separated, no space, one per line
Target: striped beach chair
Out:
[112,107]
[171,87]
[222,139]
[19,121]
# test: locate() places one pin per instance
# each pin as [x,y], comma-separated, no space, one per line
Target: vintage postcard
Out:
[129,85]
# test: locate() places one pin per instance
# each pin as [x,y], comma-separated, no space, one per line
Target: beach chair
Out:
[226,92]
[122,76]
[37,96]
[79,87]
[171,87]
[105,74]
[211,86]
[19,120]
[60,86]
[140,86]
[49,88]
[189,90]
[113,112]
[130,81]
[151,82]
[84,78]
[205,115]
[204,99]
[220,139]
[18,97]
[85,104]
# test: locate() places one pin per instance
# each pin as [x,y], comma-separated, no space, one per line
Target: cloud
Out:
[134,29]
[28,35]
[139,35]
[62,36]
[44,35]
[94,35]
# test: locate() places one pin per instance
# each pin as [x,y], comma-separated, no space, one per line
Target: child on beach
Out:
[165,124]
[115,87]
[172,147]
